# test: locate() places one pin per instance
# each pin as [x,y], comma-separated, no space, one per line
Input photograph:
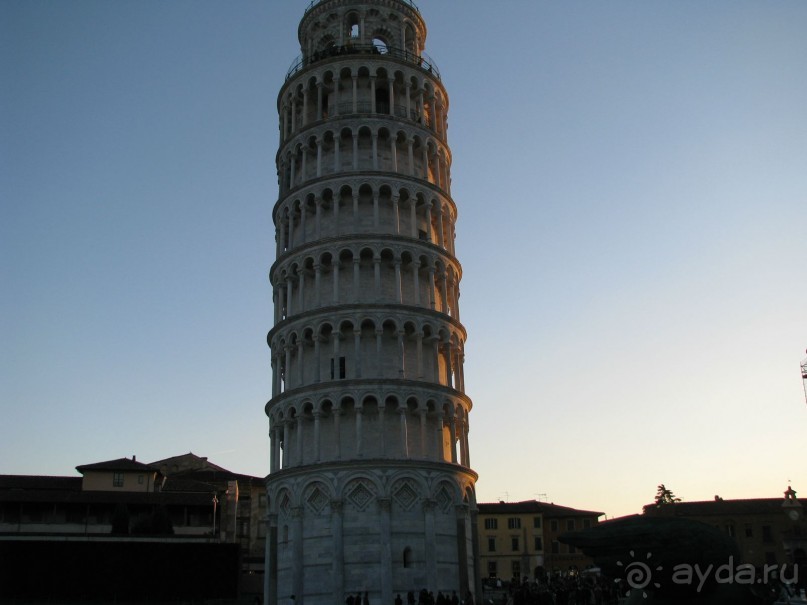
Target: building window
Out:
[341,368]
[514,523]
[491,523]
[766,533]
[140,479]
[492,571]
[491,544]
[117,479]
[539,544]
[243,529]
[515,566]
[407,557]
[570,525]
[536,522]
[555,547]
[586,523]
[514,544]
[749,531]
[730,530]
[553,525]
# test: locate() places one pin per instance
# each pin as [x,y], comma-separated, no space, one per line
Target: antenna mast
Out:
[804,377]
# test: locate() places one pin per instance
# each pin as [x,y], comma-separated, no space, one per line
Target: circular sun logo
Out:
[638,574]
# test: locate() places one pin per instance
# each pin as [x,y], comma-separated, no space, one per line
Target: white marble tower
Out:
[370,486]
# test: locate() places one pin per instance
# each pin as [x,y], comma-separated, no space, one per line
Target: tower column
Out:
[424,442]
[356,278]
[316,435]
[404,438]
[398,296]
[440,237]
[431,287]
[301,291]
[452,427]
[300,364]
[297,544]
[337,432]
[338,565]
[358,412]
[382,428]
[303,213]
[298,437]
[286,450]
[386,551]
[317,284]
[431,541]
[317,358]
[416,282]
[336,281]
[319,101]
[357,352]
[317,217]
[377,276]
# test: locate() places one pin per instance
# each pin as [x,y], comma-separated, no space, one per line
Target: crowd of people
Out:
[561,590]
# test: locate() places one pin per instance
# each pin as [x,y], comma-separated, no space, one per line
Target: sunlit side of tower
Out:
[370,486]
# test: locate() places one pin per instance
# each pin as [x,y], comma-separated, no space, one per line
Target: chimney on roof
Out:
[134,458]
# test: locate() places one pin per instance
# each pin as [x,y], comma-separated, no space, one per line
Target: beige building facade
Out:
[520,539]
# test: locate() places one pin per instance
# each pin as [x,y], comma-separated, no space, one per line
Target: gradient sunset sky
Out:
[631,179]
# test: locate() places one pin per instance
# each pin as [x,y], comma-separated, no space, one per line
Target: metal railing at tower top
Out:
[316,2]
[423,60]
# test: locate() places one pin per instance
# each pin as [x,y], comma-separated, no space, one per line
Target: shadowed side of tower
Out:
[370,487]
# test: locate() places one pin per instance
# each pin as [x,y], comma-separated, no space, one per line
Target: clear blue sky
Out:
[631,179]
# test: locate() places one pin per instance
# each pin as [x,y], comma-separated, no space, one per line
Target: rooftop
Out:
[547,509]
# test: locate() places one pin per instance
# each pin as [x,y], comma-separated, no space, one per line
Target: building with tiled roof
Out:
[518,539]
[186,499]
[768,531]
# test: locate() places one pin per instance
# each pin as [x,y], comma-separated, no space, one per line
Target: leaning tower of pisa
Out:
[370,486]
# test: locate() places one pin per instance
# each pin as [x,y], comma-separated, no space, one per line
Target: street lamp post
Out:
[215,503]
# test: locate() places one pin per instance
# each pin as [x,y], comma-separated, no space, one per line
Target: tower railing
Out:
[423,60]
[316,2]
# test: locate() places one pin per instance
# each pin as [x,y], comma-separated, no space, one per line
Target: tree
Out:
[665,496]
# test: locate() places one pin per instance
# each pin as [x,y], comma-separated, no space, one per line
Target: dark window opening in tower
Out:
[342,369]
[325,106]
[409,39]
[382,100]
[380,46]
[407,557]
